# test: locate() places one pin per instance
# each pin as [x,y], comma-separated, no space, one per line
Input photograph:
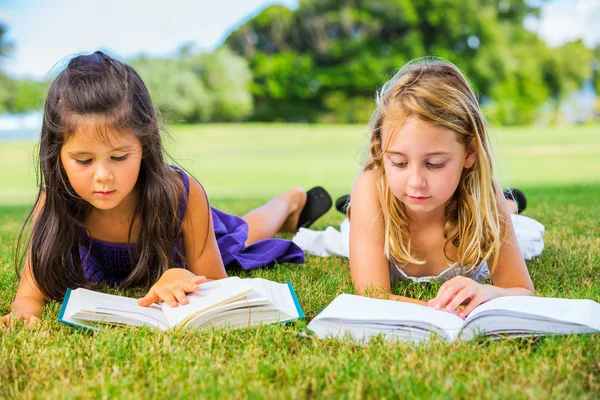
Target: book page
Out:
[278,295]
[269,302]
[574,311]
[349,309]
[210,295]
[94,306]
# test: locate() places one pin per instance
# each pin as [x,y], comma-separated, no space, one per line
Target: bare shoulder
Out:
[367,180]
[197,203]
[365,193]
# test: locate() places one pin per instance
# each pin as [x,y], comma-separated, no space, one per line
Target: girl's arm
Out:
[510,277]
[201,249]
[29,300]
[202,254]
[368,264]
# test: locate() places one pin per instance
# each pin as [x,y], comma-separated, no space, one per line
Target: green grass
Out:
[241,167]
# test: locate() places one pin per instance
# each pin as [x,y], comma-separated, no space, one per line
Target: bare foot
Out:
[512,206]
[297,199]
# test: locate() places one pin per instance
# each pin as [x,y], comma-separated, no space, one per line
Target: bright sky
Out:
[44,32]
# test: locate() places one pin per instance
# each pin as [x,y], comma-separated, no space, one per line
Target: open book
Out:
[232,302]
[363,317]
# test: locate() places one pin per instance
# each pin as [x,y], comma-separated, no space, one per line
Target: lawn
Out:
[241,166]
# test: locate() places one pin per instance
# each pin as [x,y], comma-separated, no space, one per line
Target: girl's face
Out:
[102,167]
[423,164]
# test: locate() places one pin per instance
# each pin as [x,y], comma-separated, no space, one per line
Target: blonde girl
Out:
[427,205]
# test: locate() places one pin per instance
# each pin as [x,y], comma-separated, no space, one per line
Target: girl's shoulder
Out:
[365,193]
[367,181]
[193,194]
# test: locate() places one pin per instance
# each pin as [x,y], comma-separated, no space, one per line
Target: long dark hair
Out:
[98,85]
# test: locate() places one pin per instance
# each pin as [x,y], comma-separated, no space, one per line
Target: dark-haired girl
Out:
[111,211]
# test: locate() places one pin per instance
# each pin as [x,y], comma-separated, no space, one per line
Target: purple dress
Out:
[111,263]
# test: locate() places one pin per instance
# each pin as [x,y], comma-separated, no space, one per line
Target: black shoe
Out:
[342,203]
[518,197]
[318,202]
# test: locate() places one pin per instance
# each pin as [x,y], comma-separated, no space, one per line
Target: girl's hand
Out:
[461,290]
[172,288]
[29,320]
[23,308]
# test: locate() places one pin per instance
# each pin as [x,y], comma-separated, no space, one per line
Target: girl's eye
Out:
[435,166]
[121,158]
[399,165]
[83,162]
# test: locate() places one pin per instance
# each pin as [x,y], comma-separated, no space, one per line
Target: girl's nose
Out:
[103,174]
[416,180]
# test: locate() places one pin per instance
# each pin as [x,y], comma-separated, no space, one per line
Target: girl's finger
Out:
[460,297]
[190,287]
[149,298]
[443,299]
[5,321]
[167,296]
[31,321]
[179,294]
[198,279]
[475,301]
[442,289]
[435,302]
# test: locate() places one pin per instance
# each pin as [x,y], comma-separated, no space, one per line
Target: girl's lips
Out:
[105,194]
[418,198]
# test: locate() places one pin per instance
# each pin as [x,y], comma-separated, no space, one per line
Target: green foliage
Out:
[27,95]
[310,56]
[6,88]
[198,88]
[176,90]
[596,68]
[568,67]
[227,78]
[190,88]
[596,76]
[18,95]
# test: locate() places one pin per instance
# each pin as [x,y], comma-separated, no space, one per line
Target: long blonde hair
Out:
[436,92]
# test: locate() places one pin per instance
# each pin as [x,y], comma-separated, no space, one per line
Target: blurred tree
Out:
[198,87]
[176,91]
[327,54]
[18,95]
[6,84]
[596,69]
[26,95]
[596,76]
[565,69]
[227,79]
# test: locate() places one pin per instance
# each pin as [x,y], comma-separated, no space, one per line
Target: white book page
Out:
[211,295]
[358,309]
[574,311]
[240,305]
[360,332]
[278,294]
[82,301]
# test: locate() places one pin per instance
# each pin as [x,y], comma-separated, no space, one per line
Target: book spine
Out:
[296,302]
[61,314]
[63,308]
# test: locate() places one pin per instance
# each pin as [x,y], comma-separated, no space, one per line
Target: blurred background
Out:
[260,95]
